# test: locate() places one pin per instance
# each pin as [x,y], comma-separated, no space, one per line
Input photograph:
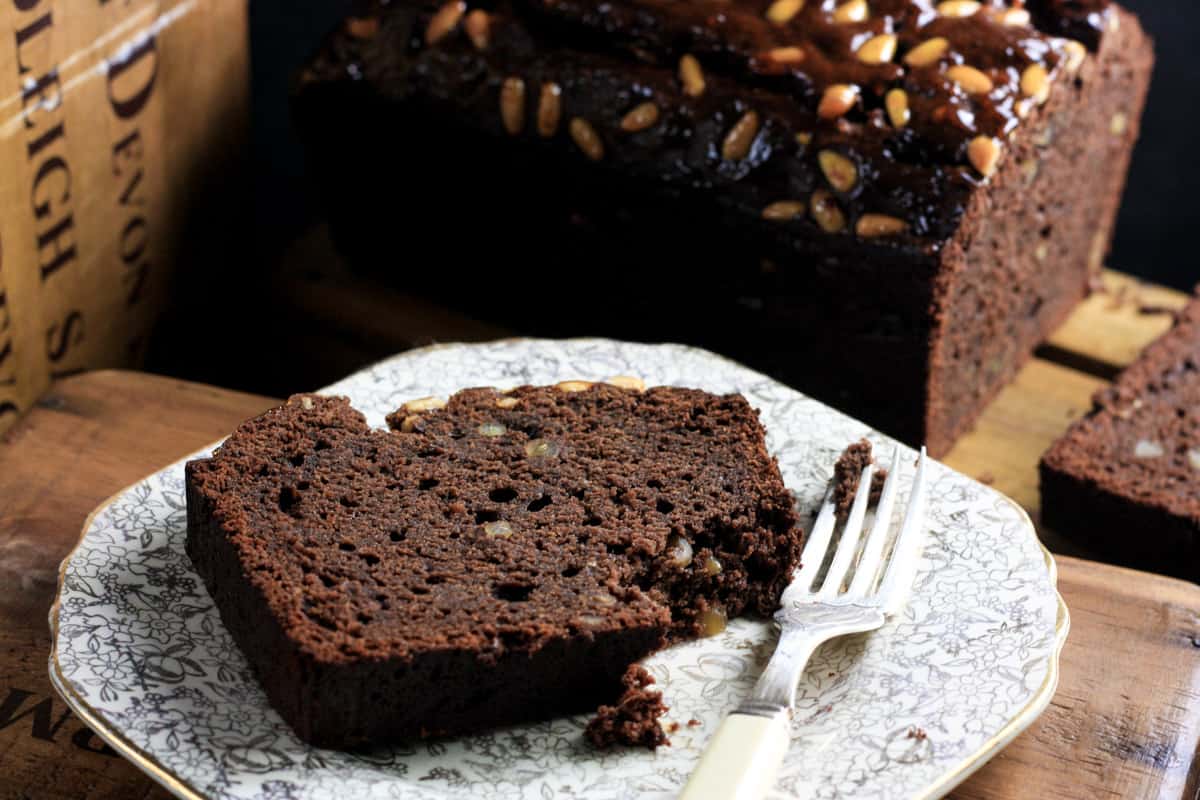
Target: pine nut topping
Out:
[506,402]
[628,382]
[549,110]
[837,100]
[424,404]
[1035,83]
[740,138]
[512,105]
[839,170]
[573,386]
[588,140]
[783,210]
[896,102]
[640,118]
[871,226]
[878,49]
[785,55]
[852,11]
[782,11]
[958,8]
[1076,53]
[445,20]
[826,212]
[927,52]
[1015,18]
[970,79]
[984,154]
[478,26]
[362,27]
[691,75]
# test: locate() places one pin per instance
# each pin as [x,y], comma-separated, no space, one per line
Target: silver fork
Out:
[855,595]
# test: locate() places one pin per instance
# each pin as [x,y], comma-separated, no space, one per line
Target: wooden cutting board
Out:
[1125,721]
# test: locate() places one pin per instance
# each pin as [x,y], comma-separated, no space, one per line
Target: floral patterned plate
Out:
[909,711]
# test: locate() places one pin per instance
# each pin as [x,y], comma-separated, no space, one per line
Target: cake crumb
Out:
[877,481]
[693,723]
[634,720]
[916,733]
[846,474]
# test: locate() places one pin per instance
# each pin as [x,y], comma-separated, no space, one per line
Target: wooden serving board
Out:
[1125,721]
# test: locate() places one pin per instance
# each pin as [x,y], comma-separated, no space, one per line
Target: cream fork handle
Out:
[741,760]
[743,757]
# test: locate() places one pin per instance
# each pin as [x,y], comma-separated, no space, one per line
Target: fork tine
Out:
[818,542]
[901,570]
[851,535]
[869,565]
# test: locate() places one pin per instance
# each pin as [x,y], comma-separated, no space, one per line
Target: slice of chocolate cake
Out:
[1125,480]
[498,558]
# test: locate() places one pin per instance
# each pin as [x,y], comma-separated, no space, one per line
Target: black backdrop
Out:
[1156,234]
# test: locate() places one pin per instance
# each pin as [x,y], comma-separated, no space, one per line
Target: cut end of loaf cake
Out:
[1124,481]
[495,558]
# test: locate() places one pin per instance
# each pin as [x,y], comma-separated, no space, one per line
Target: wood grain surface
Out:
[91,436]
[1125,721]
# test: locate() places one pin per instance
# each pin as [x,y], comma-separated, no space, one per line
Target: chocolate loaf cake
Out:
[499,559]
[1124,481]
[887,203]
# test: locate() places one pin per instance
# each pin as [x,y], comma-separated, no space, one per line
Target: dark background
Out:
[1155,233]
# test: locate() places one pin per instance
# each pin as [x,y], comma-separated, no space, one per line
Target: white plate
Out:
[909,711]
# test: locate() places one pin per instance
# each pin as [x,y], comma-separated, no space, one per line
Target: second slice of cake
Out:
[499,559]
[1124,481]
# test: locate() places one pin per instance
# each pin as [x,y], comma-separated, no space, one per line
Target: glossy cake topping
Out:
[876,117]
